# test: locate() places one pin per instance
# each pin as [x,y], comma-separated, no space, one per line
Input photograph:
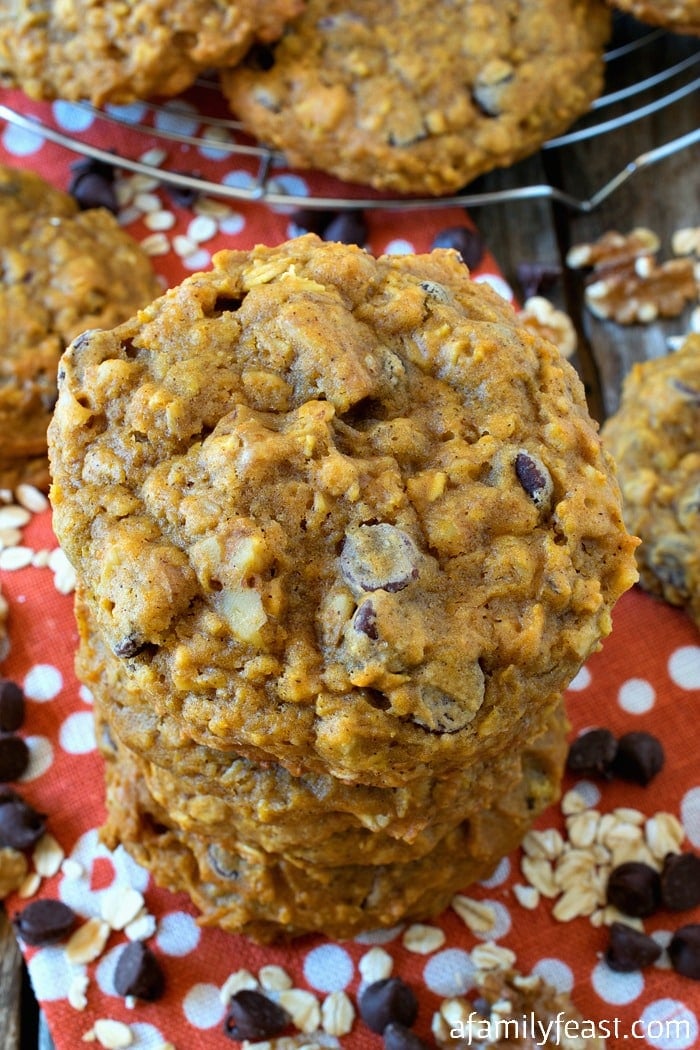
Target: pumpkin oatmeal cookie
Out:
[680,16]
[655,439]
[109,51]
[338,512]
[416,98]
[62,271]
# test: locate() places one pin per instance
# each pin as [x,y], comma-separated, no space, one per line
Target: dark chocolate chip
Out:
[132,645]
[464,240]
[93,190]
[251,1015]
[592,754]
[534,478]
[379,557]
[639,757]
[11,705]
[365,621]
[8,795]
[14,757]
[388,1001]
[138,973]
[44,922]
[261,57]
[183,196]
[684,951]
[634,888]
[20,825]
[347,227]
[311,220]
[629,949]
[680,881]
[536,279]
[399,1037]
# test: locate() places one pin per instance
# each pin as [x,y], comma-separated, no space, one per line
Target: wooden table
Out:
[663,197]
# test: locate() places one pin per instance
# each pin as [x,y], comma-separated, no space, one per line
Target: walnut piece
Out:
[613,249]
[643,292]
[543,318]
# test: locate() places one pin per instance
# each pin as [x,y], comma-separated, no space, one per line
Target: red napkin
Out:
[647,676]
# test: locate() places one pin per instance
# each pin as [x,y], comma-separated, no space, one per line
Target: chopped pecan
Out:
[644,291]
[613,250]
[543,317]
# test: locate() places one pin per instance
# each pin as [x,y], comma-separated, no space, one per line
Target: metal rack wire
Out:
[620,104]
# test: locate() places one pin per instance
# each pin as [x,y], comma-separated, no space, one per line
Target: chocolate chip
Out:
[634,888]
[534,478]
[251,1015]
[464,240]
[94,191]
[379,557]
[388,1001]
[684,951]
[11,705]
[680,881]
[536,279]
[365,621]
[399,1037]
[629,949]
[639,757]
[592,754]
[20,825]
[347,227]
[311,220]
[130,646]
[14,757]
[138,973]
[183,196]
[44,922]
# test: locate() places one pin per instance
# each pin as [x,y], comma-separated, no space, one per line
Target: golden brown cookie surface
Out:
[109,51]
[339,512]
[681,16]
[655,439]
[62,271]
[417,98]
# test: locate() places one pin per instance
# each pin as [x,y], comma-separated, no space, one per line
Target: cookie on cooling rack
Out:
[340,512]
[655,439]
[61,271]
[680,16]
[415,98]
[110,51]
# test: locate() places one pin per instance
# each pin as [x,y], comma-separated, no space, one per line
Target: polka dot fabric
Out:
[647,676]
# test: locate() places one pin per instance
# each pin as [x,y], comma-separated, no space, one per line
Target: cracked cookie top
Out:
[417,98]
[336,510]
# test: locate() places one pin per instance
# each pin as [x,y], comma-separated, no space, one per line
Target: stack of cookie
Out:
[344,531]
[62,271]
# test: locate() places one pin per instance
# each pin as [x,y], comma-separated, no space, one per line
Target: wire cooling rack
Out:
[674,75]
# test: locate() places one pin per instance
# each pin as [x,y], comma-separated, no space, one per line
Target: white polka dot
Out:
[399,247]
[20,142]
[40,757]
[328,968]
[690,815]
[497,283]
[133,113]
[379,936]
[200,260]
[217,138]
[501,922]
[239,179]
[232,224]
[77,734]
[104,971]
[51,973]
[126,872]
[684,666]
[589,792]
[662,938]
[293,185]
[668,1024]
[202,1006]
[449,973]
[178,933]
[499,876]
[43,682]
[72,117]
[556,973]
[616,988]
[146,1036]
[581,681]
[85,694]
[636,695]
[179,117]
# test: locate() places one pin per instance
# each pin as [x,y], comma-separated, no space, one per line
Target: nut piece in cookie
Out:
[655,439]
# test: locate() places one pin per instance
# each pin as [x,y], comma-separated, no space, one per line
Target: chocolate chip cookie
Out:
[680,16]
[109,51]
[421,99]
[337,512]
[655,439]
[62,271]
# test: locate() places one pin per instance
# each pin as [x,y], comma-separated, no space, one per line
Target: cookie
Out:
[655,439]
[680,16]
[341,513]
[62,271]
[109,51]
[272,896]
[412,98]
